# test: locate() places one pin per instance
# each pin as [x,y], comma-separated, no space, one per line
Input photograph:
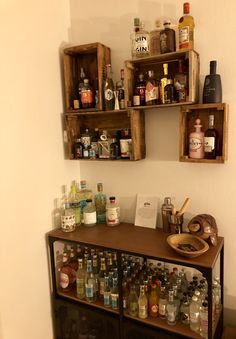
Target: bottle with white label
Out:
[112,212]
[89,214]
[196,142]
[90,287]
[142,304]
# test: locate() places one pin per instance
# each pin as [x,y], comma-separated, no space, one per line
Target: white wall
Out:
[211,188]
[33,168]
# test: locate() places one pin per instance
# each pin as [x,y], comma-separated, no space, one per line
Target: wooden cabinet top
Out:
[136,240]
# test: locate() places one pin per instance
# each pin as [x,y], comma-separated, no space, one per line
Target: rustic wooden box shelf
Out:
[93,58]
[189,114]
[76,123]
[142,65]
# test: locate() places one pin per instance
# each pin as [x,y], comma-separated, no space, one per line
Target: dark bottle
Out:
[81,83]
[169,96]
[181,83]
[167,38]
[94,144]
[78,149]
[211,140]
[109,96]
[121,90]
[87,95]
[139,92]
[114,149]
[212,90]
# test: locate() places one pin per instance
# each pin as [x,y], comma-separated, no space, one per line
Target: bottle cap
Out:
[166,22]
[136,22]
[186,8]
[213,64]
[88,200]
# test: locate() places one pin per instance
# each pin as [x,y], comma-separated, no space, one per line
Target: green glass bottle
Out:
[100,200]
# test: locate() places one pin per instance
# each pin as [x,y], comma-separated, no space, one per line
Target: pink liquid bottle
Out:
[196,142]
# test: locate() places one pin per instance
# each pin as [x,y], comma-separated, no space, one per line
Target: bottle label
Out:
[68,222]
[141,45]
[86,140]
[64,280]
[136,100]
[107,298]
[76,103]
[151,92]
[86,97]
[101,289]
[125,148]
[162,309]
[195,144]
[109,94]
[90,218]
[89,290]
[194,317]
[209,144]
[184,37]
[113,215]
[143,311]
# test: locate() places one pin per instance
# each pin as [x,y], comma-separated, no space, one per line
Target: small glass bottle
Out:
[167,38]
[142,304]
[114,294]
[162,303]
[67,215]
[151,89]
[184,311]
[109,89]
[139,92]
[90,287]
[107,292]
[171,309]
[133,302]
[211,140]
[181,83]
[87,95]
[80,280]
[100,200]
[89,213]
[67,275]
[112,212]
[78,149]
[155,39]
[186,29]
[196,142]
[194,309]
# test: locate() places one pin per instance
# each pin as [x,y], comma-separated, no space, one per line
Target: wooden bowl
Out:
[187,245]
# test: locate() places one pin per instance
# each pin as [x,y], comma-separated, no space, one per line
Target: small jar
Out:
[89,214]
[112,212]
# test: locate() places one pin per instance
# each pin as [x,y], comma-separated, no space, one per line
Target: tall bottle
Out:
[212,90]
[171,309]
[90,286]
[80,280]
[181,83]
[109,88]
[142,304]
[107,292]
[153,302]
[140,41]
[74,202]
[133,36]
[155,39]
[68,223]
[114,294]
[167,38]
[133,302]
[81,84]
[112,212]
[211,140]
[89,213]
[121,90]
[151,89]
[83,194]
[100,200]
[186,29]
[163,83]
[196,142]
[166,211]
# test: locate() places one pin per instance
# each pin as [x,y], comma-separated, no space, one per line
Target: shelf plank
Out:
[137,240]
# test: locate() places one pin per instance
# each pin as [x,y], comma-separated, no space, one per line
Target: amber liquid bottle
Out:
[211,140]
[186,29]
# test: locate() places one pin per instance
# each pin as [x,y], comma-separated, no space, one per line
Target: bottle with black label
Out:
[212,91]
[211,140]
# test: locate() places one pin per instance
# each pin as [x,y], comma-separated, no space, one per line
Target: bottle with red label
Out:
[87,95]
[153,301]
[186,29]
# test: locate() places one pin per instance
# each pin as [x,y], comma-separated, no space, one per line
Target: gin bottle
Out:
[141,42]
[109,90]
[74,203]
[90,287]
[107,292]
[80,280]
[83,194]
[100,200]
[89,213]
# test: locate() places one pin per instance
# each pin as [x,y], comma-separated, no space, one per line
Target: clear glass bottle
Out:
[109,89]
[133,37]
[155,39]
[74,202]
[89,213]
[151,89]
[87,95]
[194,309]
[184,311]
[186,29]
[211,140]
[196,142]
[133,302]
[114,294]
[171,309]
[112,212]
[167,38]
[162,303]
[141,42]
[80,280]
[107,292]
[142,304]
[101,278]
[163,83]
[67,214]
[83,194]
[204,320]
[100,200]
[90,287]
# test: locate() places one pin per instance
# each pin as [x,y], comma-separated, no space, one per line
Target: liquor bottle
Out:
[139,92]
[86,138]
[167,38]
[67,214]
[112,212]
[186,29]
[89,213]
[125,295]
[87,95]
[80,280]
[83,194]
[163,83]
[126,144]
[90,287]
[169,93]
[104,146]
[96,93]
[114,294]
[100,200]
[95,272]
[133,37]
[107,292]
[75,93]
[114,149]
[155,39]
[171,309]
[81,83]
[151,89]
[166,211]
[162,303]
[109,89]
[101,278]
[211,140]
[142,304]
[212,90]
[141,43]
[133,302]
[153,302]
[74,203]
[204,320]
[184,311]
[73,262]
[78,149]
[121,90]
[196,142]
[194,309]
[94,144]
[181,83]
[67,275]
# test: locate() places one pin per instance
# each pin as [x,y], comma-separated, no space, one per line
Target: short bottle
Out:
[155,39]
[112,212]
[212,90]
[142,304]
[151,89]
[211,140]
[167,38]
[194,309]
[87,95]
[171,309]
[153,302]
[89,213]
[100,201]
[139,91]
[186,29]
[80,280]
[90,287]
[133,302]
[196,142]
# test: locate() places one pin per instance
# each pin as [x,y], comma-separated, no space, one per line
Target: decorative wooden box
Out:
[93,58]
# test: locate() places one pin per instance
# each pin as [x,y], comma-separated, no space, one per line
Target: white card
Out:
[146,211]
